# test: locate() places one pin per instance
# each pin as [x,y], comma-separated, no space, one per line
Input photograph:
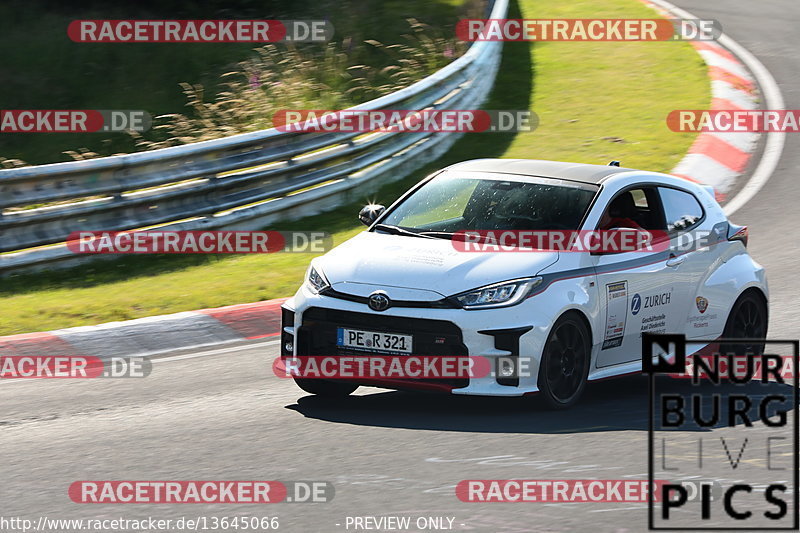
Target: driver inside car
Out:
[620,214]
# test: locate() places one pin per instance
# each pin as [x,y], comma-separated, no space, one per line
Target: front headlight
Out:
[498,295]
[316,280]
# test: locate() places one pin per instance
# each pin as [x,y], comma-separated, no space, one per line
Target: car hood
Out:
[373,260]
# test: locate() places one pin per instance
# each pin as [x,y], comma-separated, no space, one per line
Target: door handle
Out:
[674,261]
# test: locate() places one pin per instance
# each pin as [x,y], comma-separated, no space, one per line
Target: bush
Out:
[287,77]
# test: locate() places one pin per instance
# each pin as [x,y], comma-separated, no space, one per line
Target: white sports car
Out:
[571,315]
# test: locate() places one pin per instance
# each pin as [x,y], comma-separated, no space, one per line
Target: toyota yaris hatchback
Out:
[408,285]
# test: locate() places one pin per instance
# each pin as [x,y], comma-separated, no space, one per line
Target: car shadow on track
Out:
[614,405]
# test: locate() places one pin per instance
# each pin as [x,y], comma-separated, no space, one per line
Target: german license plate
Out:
[374,341]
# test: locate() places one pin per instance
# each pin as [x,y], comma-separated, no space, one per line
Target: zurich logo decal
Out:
[636,304]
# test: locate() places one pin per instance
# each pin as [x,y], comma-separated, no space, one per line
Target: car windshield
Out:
[453,202]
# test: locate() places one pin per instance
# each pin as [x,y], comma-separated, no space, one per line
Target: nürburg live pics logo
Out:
[732,420]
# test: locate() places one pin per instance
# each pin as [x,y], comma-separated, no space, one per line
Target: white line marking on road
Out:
[773,99]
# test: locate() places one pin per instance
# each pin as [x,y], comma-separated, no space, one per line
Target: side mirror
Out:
[370,213]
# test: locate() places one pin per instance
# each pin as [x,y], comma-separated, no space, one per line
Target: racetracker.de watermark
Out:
[199,31]
[198,242]
[617,240]
[734,120]
[588,30]
[605,241]
[203,492]
[404,120]
[72,367]
[378,366]
[555,490]
[73,120]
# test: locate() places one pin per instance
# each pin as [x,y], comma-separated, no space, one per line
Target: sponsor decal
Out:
[656,300]
[654,323]
[704,321]
[616,313]
[702,304]
[636,304]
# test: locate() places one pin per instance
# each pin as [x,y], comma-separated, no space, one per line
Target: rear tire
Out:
[330,389]
[564,366]
[747,320]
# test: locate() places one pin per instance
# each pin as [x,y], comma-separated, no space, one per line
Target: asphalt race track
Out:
[223,415]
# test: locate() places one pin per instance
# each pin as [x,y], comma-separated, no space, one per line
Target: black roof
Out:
[581,172]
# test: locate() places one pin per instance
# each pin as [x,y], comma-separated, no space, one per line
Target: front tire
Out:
[565,362]
[330,389]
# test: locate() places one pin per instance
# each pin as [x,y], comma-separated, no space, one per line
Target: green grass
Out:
[596,102]
[43,69]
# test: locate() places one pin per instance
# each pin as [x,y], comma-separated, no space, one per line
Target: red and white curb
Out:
[718,159]
[153,335]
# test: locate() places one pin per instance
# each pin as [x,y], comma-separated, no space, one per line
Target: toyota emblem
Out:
[378,301]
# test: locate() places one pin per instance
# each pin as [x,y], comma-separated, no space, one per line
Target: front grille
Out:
[444,303]
[317,335]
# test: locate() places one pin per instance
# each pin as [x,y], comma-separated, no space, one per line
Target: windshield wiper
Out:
[437,234]
[397,230]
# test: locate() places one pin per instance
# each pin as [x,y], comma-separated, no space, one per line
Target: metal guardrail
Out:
[239,182]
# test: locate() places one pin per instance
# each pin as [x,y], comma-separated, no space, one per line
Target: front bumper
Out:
[310,321]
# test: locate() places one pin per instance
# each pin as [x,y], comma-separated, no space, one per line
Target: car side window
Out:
[636,208]
[681,208]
